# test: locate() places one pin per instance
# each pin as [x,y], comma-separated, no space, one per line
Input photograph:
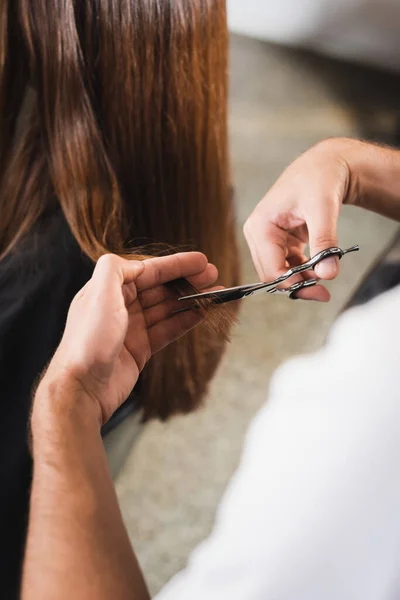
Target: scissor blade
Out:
[239,290]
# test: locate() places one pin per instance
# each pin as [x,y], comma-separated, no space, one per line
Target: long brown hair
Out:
[128,134]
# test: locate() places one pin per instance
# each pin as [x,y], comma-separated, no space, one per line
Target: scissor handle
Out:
[296,287]
[312,263]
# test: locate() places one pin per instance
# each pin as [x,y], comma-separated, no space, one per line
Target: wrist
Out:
[356,155]
[376,170]
[61,405]
[373,174]
[346,153]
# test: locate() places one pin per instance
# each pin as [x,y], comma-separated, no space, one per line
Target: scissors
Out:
[271,287]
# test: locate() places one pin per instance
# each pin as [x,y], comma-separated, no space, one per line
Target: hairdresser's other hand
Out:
[122,316]
[302,207]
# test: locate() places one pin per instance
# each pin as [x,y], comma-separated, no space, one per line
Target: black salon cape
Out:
[37,284]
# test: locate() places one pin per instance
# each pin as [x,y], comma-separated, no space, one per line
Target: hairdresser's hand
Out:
[302,207]
[119,319]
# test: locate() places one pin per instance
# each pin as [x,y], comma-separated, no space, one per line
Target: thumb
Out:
[323,235]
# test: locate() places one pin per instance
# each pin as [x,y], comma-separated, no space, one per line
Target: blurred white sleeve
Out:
[313,512]
[360,30]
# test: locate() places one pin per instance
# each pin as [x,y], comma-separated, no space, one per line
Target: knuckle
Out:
[157,273]
[108,260]
[325,240]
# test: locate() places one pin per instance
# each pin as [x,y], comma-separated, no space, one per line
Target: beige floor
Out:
[281,103]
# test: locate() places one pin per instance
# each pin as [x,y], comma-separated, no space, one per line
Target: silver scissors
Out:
[271,287]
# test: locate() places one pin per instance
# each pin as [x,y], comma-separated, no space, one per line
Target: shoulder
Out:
[316,484]
[47,266]
[364,336]
[353,380]
[48,249]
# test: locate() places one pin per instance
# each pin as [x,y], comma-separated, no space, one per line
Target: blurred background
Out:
[301,70]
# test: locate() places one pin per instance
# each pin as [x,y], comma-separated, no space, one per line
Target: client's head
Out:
[126,132]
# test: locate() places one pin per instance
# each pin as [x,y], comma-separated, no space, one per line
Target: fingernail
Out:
[328,268]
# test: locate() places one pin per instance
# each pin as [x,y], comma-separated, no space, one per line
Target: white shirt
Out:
[313,511]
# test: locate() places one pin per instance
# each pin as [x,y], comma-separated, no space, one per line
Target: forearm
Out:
[374,176]
[77,545]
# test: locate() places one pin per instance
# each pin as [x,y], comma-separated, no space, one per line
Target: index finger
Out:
[163,269]
[111,269]
[267,244]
